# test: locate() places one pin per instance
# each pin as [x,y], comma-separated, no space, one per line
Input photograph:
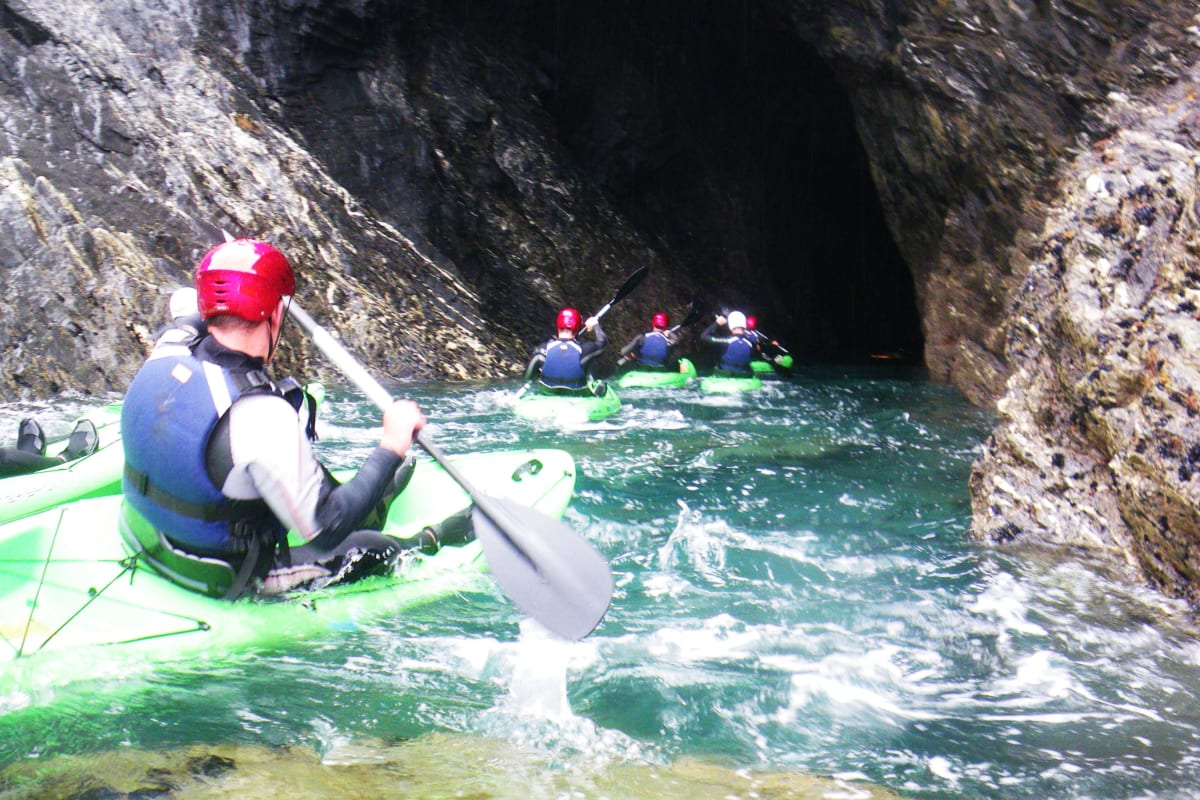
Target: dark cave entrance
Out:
[730,143]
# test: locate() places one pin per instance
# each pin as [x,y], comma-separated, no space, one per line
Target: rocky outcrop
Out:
[1098,445]
[1016,179]
[1038,165]
[971,113]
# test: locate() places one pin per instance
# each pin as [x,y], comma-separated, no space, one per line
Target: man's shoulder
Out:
[264,406]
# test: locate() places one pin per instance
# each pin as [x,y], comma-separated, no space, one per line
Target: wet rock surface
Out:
[1098,439]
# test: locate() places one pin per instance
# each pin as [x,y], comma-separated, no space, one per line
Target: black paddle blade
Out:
[693,316]
[628,286]
[550,572]
[630,283]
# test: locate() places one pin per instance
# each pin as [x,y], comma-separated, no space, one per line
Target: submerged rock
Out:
[480,767]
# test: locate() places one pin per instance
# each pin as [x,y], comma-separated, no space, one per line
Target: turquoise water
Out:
[796,594]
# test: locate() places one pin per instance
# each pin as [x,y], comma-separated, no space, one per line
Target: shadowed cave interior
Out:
[715,130]
[725,138]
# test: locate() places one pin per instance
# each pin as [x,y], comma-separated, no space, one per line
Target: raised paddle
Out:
[548,570]
[693,316]
[767,341]
[628,286]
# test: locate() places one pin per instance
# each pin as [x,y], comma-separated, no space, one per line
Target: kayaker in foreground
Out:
[737,349]
[653,350]
[219,460]
[561,364]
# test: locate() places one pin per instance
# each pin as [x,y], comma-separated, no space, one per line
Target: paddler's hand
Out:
[590,323]
[401,421]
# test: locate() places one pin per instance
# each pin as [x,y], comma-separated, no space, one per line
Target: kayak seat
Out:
[208,576]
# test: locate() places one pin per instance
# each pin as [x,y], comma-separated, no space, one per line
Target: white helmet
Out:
[736,319]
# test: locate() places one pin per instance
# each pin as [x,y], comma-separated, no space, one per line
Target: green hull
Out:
[93,475]
[722,384]
[767,369]
[66,582]
[658,379]
[565,409]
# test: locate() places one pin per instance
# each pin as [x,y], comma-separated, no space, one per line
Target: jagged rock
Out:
[1098,442]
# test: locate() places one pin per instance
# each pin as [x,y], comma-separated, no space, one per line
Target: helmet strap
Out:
[272,339]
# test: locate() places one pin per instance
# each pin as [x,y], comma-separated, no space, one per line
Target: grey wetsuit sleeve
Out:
[272,459]
[342,508]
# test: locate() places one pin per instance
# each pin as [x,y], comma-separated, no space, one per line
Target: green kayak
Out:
[729,384]
[68,581]
[658,379]
[534,403]
[92,475]
[767,369]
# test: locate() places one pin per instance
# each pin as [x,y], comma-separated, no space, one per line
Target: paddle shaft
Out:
[762,338]
[380,396]
[692,317]
[544,567]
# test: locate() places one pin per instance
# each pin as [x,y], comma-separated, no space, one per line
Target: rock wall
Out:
[1038,163]
[970,113]
[1098,445]
[136,131]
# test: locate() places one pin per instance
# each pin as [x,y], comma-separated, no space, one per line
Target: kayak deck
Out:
[565,409]
[67,582]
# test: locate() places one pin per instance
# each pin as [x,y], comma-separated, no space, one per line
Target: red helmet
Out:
[244,278]
[570,319]
[661,320]
[751,322]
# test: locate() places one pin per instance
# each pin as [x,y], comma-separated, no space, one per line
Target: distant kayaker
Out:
[219,460]
[737,349]
[652,350]
[561,364]
[770,350]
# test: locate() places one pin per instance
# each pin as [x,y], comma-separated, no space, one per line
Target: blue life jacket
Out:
[168,415]
[655,349]
[563,367]
[737,355]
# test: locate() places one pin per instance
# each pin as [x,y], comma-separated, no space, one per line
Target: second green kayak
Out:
[565,409]
[658,379]
[769,369]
